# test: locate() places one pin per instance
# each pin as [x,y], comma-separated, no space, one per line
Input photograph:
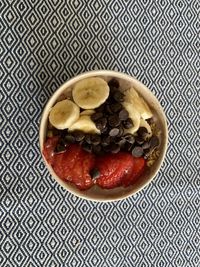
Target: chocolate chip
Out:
[95,139]
[137,151]
[88,138]
[108,109]
[59,149]
[100,108]
[142,131]
[121,131]
[114,148]
[62,133]
[63,142]
[114,132]
[87,147]
[78,135]
[118,96]
[130,138]
[139,140]
[154,141]
[113,121]
[128,123]
[116,107]
[96,116]
[121,142]
[94,173]
[146,145]
[150,121]
[110,99]
[70,139]
[101,123]
[105,140]
[127,146]
[113,83]
[113,90]
[123,115]
[96,149]
[104,131]
[106,149]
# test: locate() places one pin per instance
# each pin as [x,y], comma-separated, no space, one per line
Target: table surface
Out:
[44,43]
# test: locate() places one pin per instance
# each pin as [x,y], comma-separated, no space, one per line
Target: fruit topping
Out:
[113,169]
[104,135]
[73,165]
[64,114]
[90,93]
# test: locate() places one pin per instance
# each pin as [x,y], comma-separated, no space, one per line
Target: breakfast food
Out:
[104,135]
[90,93]
[64,114]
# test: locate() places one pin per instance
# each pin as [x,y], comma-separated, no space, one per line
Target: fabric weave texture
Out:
[43,44]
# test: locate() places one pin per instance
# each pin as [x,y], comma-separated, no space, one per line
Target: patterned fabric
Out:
[43,43]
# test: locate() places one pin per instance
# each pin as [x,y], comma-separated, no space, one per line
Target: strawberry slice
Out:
[113,169]
[49,147]
[73,165]
[120,169]
[64,163]
[137,170]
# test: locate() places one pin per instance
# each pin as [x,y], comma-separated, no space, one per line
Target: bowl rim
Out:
[67,84]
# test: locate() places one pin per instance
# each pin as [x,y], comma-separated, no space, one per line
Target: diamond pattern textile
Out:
[44,43]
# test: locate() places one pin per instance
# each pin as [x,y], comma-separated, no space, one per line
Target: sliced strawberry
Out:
[137,170]
[63,164]
[74,165]
[49,147]
[81,171]
[113,169]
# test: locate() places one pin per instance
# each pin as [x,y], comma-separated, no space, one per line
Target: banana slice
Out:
[131,96]
[84,124]
[134,115]
[146,112]
[88,112]
[145,124]
[64,114]
[90,93]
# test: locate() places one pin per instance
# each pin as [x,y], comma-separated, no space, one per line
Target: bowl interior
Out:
[126,81]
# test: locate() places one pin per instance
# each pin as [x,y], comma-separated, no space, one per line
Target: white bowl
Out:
[96,193]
